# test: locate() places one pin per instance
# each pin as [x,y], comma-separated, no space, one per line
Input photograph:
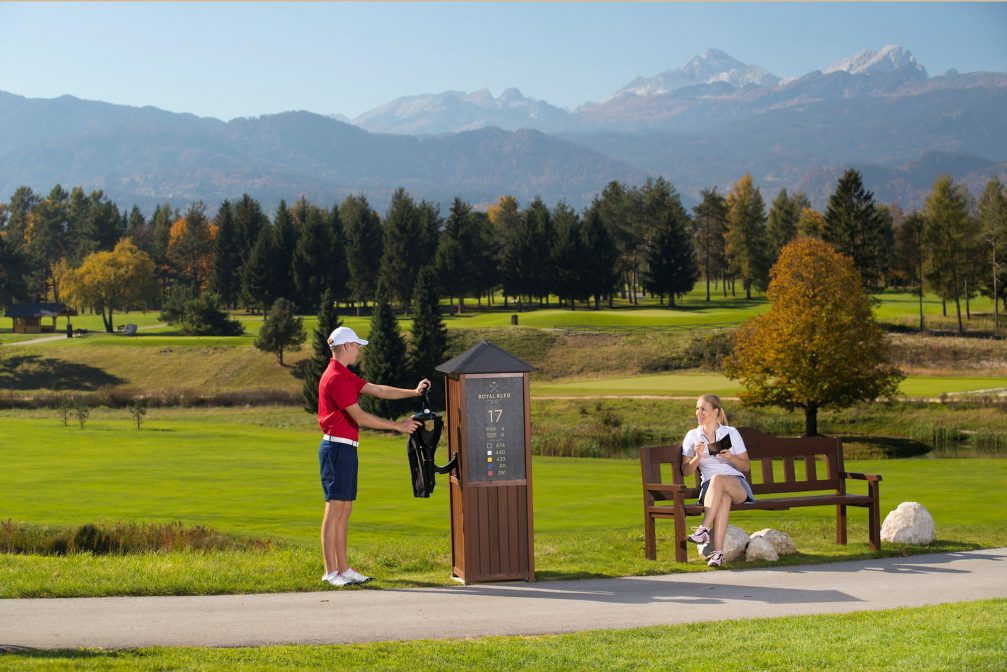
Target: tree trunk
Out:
[811,421]
[921,307]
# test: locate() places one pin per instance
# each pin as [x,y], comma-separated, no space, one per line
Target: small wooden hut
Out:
[28,317]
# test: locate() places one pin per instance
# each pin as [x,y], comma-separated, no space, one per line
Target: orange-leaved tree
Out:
[110,281]
[819,345]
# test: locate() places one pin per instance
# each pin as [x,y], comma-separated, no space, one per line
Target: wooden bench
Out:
[784,487]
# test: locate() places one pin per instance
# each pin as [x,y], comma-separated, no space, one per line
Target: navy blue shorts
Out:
[744,484]
[338,464]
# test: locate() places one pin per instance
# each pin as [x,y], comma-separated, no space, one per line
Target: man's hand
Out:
[408,426]
[422,387]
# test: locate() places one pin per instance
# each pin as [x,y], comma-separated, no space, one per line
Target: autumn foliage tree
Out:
[819,345]
[110,281]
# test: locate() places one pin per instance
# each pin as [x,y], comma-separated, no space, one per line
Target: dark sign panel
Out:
[495,422]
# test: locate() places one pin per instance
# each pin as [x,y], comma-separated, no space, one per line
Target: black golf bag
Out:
[421,448]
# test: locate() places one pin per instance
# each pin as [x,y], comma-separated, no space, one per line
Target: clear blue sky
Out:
[235,59]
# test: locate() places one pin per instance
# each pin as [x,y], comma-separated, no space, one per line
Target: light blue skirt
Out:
[744,484]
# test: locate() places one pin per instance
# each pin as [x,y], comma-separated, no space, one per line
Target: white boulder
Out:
[734,544]
[759,548]
[781,541]
[909,523]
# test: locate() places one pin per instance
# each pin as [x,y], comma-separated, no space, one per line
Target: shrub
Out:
[708,351]
[118,538]
[203,316]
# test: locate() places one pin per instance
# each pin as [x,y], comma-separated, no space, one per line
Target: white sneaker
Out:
[355,577]
[338,580]
[329,575]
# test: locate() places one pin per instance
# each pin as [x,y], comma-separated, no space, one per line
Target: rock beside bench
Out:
[767,544]
[909,523]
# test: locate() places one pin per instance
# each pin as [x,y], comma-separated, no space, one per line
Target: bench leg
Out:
[840,524]
[874,516]
[681,548]
[649,537]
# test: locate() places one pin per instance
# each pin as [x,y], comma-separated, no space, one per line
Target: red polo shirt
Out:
[338,389]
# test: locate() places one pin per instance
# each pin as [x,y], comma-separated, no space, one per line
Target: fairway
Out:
[253,472]
[694,384]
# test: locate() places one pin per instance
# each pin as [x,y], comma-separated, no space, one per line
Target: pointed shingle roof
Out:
[484,357]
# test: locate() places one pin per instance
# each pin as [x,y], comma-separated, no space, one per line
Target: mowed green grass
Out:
[694,384]
[691,310]
[965,636]
[253,472]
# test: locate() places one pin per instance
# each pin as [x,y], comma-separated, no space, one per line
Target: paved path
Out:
[361,615]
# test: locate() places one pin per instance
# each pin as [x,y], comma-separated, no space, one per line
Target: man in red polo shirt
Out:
[340,417]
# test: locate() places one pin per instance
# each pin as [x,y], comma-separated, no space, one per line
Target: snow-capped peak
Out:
[711,66]
[867,62]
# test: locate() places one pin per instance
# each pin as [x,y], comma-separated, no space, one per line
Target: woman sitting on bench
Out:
[719,453]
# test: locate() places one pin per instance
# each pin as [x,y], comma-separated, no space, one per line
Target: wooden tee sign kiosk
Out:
[488,418]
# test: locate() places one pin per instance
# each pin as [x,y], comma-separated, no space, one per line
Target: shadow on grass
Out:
[32,372]
[868,447]
[15,652]
[738,302]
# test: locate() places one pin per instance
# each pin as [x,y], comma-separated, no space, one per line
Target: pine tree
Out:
[311,259]
[249,220]
[282,330]
[484,258]
[431,223]
[782,225]
[384,359]
[992,216]
[336,273]
[670,257]
[951,239]
[519,258]
[224,278]
[852,225]
[13,266]
[910,245]
[600,257]
[259,274]
[160,226]
[139,231]
[328,320]
[544,233]
[400,262]
[710,223]
[362,229]
[429,343]
[568,257]
[454,255]
[286,231]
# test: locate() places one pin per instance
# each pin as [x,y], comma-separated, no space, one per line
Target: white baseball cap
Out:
[341,335]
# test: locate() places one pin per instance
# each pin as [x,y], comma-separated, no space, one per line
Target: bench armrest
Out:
[860,477]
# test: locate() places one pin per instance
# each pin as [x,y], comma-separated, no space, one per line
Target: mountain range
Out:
[701,125]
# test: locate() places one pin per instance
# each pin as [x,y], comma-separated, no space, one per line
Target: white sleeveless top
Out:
[708,466]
